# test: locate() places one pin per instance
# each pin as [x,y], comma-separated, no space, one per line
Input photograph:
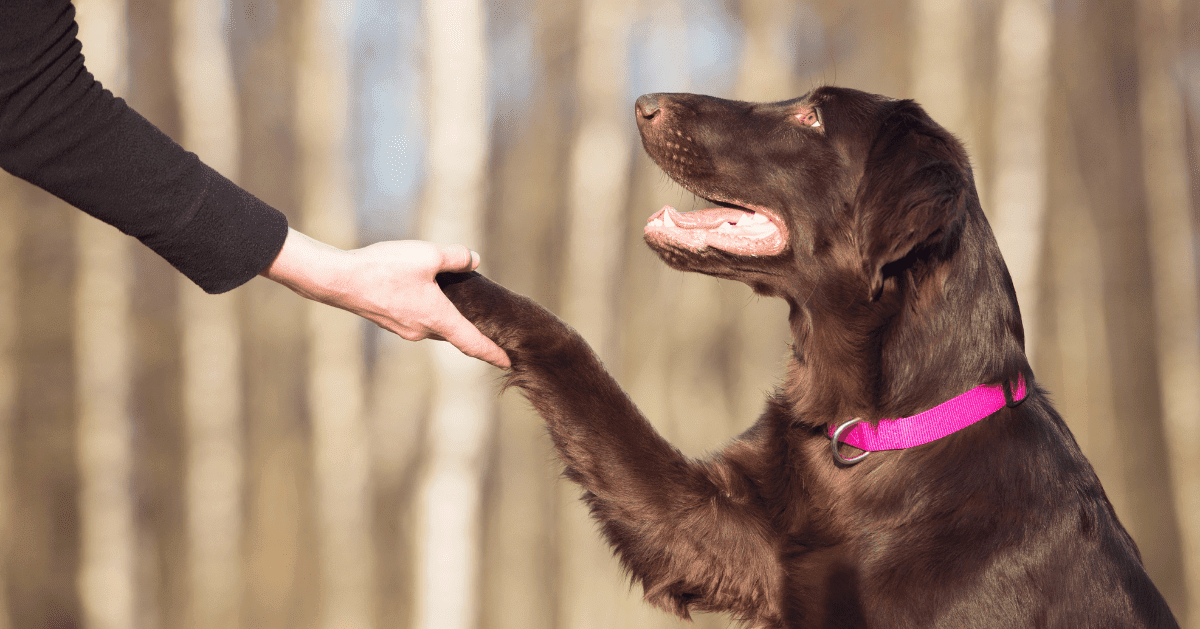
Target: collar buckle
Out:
[1012,390]
[836,441]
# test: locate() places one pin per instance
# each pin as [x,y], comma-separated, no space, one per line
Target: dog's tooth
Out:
[725,227]
[667,219]
[760,218]
[744,219]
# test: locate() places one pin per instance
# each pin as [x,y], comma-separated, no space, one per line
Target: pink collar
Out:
[906,432]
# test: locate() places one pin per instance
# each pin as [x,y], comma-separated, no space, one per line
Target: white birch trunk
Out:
[1172,249]
[599,174]
[102,359]
[1018,205]
[9,294]
[448,506]
[102,362]
[341,456]
[211,351]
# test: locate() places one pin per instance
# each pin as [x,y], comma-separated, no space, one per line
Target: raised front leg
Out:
[694,533]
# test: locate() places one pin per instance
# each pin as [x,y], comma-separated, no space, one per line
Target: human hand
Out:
[389,283]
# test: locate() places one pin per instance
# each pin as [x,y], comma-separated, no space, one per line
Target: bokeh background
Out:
[171,459]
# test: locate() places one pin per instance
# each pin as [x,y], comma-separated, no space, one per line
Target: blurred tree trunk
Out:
[9,328]
[107,530]
[44,567]
[42,563]
[768,71]
[1076,364]
[1189,80]
[599,175]
[449,496]
[103,342]
[211,343]
[866,49]
[341,454]
[943,47]
[525,227]
[1018,204]
[282,578]
[1173,266]
[159,440]
[1096,53]
[398,407]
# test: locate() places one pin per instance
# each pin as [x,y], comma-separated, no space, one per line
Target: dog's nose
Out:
[647,106]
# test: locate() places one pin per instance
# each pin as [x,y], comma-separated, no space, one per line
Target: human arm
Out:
[63,132]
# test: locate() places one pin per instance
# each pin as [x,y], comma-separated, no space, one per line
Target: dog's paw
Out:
[500,314]
[476,297]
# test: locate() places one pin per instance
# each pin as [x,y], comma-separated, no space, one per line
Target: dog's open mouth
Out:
[737,230]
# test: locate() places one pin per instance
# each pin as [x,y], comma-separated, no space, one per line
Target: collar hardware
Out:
[837,441]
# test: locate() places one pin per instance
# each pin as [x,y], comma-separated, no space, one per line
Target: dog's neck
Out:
[934,332]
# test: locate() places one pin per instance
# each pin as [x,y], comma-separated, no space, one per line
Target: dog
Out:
[908,472]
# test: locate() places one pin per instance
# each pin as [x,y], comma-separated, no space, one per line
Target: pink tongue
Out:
[716,228]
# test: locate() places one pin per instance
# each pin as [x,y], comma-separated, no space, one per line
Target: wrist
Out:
[309,267]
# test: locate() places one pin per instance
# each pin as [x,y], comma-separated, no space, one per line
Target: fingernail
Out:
[474,260]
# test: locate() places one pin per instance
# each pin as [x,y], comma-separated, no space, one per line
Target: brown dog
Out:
[861,213]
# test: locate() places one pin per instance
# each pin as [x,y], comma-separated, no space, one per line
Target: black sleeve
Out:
[62,131]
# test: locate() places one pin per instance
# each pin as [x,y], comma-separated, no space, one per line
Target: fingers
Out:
[414,306]
[441,320]
[457,258]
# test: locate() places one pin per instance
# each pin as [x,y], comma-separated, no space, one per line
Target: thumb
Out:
[457,258]
[460,333]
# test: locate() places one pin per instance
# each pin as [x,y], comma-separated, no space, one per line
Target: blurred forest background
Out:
[170,459]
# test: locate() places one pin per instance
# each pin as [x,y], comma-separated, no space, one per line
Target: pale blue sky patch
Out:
[388,116]
[714,46]
[698,51]
[512,65]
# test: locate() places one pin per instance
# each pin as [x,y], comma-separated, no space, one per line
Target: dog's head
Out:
[837,179]
[851,206]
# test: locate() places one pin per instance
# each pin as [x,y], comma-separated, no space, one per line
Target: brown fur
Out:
[899,301]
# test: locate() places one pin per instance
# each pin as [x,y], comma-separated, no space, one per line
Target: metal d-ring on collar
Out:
[836,441]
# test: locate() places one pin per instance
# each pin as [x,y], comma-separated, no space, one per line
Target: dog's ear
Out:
[913,194]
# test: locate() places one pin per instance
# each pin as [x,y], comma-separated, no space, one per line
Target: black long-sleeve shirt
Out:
[62,131]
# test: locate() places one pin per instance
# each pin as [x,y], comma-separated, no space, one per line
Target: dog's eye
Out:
[809,118]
